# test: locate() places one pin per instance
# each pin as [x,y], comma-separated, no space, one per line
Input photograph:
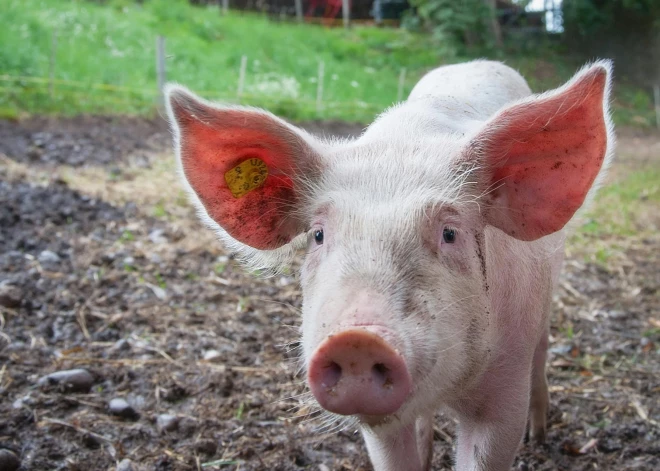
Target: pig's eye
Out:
[318,236]
[449,235]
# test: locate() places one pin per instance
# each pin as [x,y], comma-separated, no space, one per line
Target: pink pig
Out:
[433,243]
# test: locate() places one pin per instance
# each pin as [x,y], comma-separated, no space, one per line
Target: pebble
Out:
[9,461]
[10,295]
[126,465]
[187,427]
[108,258]
[167,423]
[155,259]
[212,355]
[121,345]
[206,446]
[121,408]
[157,236]
[77,380]
[49,259]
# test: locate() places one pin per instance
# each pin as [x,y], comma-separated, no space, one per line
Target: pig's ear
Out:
[542,155]
[245,166]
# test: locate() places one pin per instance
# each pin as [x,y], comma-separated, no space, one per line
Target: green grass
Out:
[622,207]
[108,52]
[625,210]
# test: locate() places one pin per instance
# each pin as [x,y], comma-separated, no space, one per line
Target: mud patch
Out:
[205,354]
[106,140]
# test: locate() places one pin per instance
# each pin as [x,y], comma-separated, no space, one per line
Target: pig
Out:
[432,244]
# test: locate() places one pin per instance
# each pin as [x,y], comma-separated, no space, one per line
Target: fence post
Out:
[319,88]
[160,68]
[346,12]
[225,6]
[402,80]
[299,10]
[241,77]
[51,71]
[656,97]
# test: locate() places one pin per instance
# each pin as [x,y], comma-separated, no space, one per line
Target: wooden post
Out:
[160,68]
[51,69]
[346,11]
[319,88]
[299,11]
[495,23]
[402,81]
[241,77]
[656,97]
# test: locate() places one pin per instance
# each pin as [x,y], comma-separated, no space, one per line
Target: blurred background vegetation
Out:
[98,56]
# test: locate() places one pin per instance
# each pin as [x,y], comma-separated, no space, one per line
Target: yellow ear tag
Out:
[246,176]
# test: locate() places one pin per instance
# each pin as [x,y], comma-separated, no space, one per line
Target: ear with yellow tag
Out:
[244,165]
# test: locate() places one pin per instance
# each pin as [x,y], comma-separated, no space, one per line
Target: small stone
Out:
[609,445]
[123,409]
[187,427]
[285,280]
[206,446]
[108,258]
[126,465]
[8,460]
[48,258]
[128,261]
[77,380]
[212,355]
[155,259]
[121,345]
[157,236]
[167,423]
[10,295]
[159,292]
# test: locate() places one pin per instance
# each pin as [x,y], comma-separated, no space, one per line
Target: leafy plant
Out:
[465,23]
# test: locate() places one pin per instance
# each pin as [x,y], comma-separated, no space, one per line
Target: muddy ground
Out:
[103,267]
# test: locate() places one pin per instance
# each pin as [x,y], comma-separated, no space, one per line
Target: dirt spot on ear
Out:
[557,164]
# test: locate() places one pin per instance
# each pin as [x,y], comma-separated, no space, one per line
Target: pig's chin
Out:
[375,421]
[389,423]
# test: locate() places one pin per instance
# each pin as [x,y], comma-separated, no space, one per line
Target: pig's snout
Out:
[357,372]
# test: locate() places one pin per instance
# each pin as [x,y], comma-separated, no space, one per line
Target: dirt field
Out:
[103,267]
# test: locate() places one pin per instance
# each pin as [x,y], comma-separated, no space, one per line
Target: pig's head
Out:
[396,297]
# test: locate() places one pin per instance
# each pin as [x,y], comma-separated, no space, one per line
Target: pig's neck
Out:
[520,274]
[408,449]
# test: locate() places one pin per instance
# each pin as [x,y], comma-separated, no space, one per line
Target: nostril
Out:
[381,375]
[331,375]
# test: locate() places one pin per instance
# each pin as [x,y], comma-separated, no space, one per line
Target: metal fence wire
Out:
[54,93]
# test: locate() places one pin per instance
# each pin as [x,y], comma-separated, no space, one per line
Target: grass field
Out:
[104,61]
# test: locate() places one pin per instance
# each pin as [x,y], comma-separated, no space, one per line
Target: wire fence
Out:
[52,94]
[100,97]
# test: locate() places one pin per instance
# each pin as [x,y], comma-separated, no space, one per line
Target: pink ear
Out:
[545,154]
[242,163]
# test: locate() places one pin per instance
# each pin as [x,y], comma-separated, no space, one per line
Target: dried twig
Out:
[74,427]
[641,412]
[82,321]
